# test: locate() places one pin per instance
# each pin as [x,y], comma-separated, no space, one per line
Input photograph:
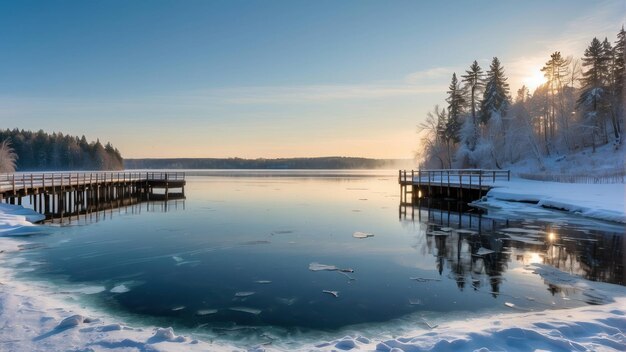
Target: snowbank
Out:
[16,220]
[581,329]
[39,318]
[598,201]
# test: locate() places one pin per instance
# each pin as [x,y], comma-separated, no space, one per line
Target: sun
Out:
[534,80]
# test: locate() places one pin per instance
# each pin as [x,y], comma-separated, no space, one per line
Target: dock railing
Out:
[471,177]
[19,181]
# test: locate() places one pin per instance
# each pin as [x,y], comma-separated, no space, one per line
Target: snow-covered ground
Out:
[606,159]
[598,201]
[35,317]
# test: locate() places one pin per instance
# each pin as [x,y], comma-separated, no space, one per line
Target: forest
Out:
[281,163]
[580,105]
[22,150]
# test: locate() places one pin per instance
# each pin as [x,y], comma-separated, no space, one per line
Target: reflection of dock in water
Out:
[446,213]
[106,210]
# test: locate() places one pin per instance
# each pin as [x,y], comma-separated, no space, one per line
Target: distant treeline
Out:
[44,151]
[286,163]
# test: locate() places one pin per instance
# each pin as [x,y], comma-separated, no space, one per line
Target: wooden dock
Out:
[462,184]
[59,193]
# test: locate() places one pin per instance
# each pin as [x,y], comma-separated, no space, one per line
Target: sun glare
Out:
[534,258]
[535,80]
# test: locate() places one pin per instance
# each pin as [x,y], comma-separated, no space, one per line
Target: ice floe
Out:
[246,310]
[324,267]
[332,293]
[362,235]
[121,288]
[203,312]
[424,279]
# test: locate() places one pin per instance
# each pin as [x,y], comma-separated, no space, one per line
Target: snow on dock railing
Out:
[20,181]
[449,176]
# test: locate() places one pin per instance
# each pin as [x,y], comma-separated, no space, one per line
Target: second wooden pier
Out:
[461,184]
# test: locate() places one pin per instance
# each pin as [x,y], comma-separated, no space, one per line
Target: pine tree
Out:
[523,94]
[473,80]
[456,104]
[619,52]
[618,78]
[593,98]
[496,95]
[555,71]
[607,53]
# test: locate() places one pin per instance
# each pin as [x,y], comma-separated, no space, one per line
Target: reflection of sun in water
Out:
[534,80]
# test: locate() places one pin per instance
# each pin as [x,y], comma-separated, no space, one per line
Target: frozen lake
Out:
[234,259]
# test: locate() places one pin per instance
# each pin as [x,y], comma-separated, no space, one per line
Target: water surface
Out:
[233,258]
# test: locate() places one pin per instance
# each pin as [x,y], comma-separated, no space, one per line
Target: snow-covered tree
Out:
[617,81]
[521,138]
[523,95]
[473,84]
[593,99]
[581,104]
[435,151]
[7,157]
[555,71]
[496,94]
[456,106]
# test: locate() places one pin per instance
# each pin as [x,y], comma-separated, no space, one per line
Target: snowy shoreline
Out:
[36,319]
[596,201]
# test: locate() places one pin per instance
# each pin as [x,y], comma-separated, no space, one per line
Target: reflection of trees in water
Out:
[458,252]
[591,254]
[600,258]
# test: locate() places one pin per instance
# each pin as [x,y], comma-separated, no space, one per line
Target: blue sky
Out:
[266,78]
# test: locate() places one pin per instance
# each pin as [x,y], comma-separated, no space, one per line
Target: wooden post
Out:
[448,183]
[419,178]
[167,186]
[413,195]
[461,183]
